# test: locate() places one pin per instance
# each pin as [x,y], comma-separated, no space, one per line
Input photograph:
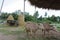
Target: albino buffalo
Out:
[31,28]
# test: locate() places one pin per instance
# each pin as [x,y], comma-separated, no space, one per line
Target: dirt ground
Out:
[11,37]
[23,35]
[7,37]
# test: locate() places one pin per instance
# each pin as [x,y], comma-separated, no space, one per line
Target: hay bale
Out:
[21,21]
[10,17]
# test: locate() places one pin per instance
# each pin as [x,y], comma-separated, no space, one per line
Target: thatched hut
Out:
[10,20]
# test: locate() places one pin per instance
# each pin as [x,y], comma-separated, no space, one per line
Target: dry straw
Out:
[10,17]
[21,21]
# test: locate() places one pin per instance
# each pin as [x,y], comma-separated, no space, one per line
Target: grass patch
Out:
[6,32]
[58,28]
[11,30]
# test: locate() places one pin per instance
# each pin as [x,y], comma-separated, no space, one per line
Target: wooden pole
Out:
[1,6]
[24,6]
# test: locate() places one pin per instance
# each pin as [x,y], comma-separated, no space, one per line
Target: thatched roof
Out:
[48,4]
[10,17]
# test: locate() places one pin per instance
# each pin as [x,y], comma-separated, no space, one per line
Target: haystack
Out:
[21,21]
[10,17]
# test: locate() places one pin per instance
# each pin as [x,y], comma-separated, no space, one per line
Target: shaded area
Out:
[47,4]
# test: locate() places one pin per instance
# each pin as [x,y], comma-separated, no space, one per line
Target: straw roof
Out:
[10,17]
[47,4]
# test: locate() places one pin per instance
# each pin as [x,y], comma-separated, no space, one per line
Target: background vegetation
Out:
[34,18]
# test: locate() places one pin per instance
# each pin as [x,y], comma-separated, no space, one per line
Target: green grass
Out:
[58,28]
[11,30]
[6,32]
